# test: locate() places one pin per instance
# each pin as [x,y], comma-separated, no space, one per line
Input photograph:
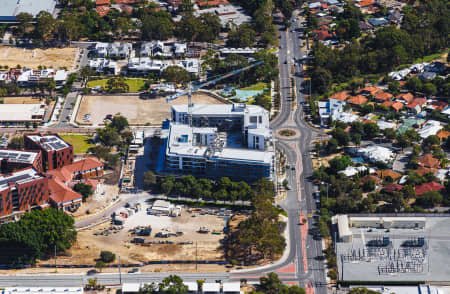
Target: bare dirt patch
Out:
[21,100]
[138,111]
[32,58]
[208,246]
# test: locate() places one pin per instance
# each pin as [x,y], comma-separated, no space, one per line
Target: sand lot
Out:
[21,100]
[138,111]
[88,246]
[32,58]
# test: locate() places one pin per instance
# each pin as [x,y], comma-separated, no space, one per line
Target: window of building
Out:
[253,119]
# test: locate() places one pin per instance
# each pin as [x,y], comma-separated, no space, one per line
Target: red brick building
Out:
[56,153]
[80,170]
[22,191]
[13,160]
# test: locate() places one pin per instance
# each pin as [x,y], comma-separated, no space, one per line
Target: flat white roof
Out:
[21,112]
[219,109]
[44,290]
[343,226]
[231,287]
[192,286]
[211,287]
[131,287]
[181,144]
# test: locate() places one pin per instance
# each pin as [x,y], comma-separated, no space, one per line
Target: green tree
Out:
[175,74]
[99,265]
[24,19]
[339,163]
[149,289]
[173,284]
[84,190]
[371,130]
[45,24]
[321,80]
[429,89]
[107,256]
[119,122]
[35,235]
[108,136]
[117,85]
[241,37]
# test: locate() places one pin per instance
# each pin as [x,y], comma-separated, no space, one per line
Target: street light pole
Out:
[120,273]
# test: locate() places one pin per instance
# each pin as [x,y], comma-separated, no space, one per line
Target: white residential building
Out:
[223,140]
[374,153]
[430,128]
[104,66]
[113,50]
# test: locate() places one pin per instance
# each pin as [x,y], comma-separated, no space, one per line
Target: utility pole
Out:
[196,257]
[120,273]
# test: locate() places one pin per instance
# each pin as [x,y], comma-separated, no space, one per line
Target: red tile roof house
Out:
[427,187]
[383,96]
[405,97]
[342,96]
[322,35]
[429,161]
[415,106]
[62,196]
[397,106]
[357,100]
[392,188]
[369,90]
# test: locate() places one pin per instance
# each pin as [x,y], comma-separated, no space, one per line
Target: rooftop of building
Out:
[181,142]
[21,112]
[19,177]
[432,260]
[18,156]
[221,109]
[49,142]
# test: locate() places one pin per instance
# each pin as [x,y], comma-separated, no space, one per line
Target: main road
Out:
[302,263]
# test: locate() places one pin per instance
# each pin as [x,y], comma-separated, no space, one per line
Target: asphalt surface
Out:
[299,200]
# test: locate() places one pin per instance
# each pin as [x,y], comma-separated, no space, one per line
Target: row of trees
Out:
[188,186]
[36,235]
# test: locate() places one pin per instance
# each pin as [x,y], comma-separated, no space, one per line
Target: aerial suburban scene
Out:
[224,146]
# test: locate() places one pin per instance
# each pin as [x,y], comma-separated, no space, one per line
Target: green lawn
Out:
[135,85]
[256,87]
[429,57]
[80,143]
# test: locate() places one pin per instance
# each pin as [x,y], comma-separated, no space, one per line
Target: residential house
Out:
[396,106]
[416,105]
[104,66]
[357,100]
[383,174]
[430,128]
[429,161]
[443,134]
[342,96]
[428,187]
[392,188]
[113,50]
[405,97]
[425,170]
[378,22]
[383,96]
[369,90]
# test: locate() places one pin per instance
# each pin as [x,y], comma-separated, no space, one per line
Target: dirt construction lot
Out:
[21,100]
[91,241]
[32,58]
[138,111]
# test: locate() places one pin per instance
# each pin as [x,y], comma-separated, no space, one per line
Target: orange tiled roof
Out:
[388,173]
[343,95]
[370,177]
[397,106]
[91,182]
[60,193]
[357,100]
[365,3]
[212,3]
[392,188]
[429,161]
[61,174]
[102,2]
[443,134]
[407,97]
[385,96]
[424,170]
[439,105]
[370,90]
[84,164]
[368,121]
[125,1]
[387,103]
[417,101]
[103,10]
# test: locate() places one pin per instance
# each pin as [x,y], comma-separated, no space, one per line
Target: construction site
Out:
[393,248]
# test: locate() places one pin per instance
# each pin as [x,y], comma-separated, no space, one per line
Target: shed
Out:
[232,288]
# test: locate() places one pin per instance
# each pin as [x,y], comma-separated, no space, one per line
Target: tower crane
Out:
[208,83]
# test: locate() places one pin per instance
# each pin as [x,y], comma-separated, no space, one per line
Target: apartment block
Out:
[56,153]
[232,141]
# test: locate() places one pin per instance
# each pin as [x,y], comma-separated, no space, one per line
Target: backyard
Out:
[135,85]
